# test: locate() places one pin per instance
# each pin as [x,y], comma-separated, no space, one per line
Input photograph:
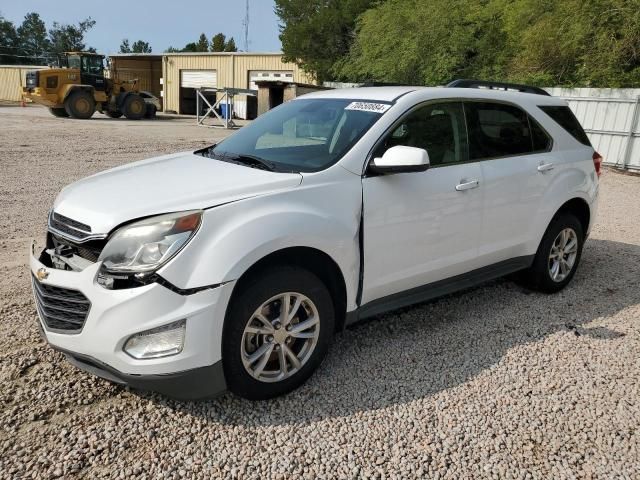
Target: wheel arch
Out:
[578,207]
[315,261]
[74,88]
[122,97]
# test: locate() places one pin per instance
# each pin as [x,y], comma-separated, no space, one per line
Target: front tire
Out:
[558,255]
[151,112]
[80,104]
[268,351]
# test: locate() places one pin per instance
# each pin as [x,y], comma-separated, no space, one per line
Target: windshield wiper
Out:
[252,161]
[242,159]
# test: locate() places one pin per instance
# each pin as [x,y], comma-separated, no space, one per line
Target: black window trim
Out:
[366,172]
[529,116]
[542,109]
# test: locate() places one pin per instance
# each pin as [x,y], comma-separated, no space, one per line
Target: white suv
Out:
[231,267]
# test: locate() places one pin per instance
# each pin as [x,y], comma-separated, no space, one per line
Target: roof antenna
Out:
[245,23]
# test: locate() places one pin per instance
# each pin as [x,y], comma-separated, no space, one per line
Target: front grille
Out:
[61,308]
[32,79]
[69,226]
[89,250]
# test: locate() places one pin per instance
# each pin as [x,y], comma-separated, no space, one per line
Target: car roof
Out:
[391,94]
[381,94]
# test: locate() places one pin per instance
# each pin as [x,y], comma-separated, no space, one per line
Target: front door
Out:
[92,72]
[422,227]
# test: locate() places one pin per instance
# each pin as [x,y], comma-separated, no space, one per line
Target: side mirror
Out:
[400,159]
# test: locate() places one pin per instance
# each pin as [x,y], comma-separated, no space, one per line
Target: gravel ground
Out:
[496,382]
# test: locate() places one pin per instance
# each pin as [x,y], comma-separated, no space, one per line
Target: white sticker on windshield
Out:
[368,107]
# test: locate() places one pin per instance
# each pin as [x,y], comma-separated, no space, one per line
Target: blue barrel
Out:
[225,111]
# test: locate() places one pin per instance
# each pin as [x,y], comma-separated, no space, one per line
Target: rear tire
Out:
[59,112]
[285,339]
[80,104]
[151,111]
[113,113]
[558,255]
[134,107]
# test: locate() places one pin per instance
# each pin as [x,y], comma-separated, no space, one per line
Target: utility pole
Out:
[246,27]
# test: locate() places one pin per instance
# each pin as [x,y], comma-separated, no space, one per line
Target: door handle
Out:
[545,167]
[467,185]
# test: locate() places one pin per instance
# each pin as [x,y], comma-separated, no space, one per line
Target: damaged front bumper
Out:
[114,316]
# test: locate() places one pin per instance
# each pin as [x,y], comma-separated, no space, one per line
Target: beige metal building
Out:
[12,79]
[183,73]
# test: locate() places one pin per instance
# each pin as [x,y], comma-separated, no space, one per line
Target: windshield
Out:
[302,135]
[73,61]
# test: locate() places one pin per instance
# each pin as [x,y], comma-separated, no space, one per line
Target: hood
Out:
[171,183]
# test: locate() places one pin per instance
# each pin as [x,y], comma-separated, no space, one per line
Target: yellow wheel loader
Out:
[78,87]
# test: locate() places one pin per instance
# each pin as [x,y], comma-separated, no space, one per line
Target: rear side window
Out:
[541,139]
[497,130]
[567,120]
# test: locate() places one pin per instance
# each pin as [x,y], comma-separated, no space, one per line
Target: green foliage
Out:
[316,33]
[541,42]
[218,42]
[141,47]
[8,42]
[124,46]
[33,43]
[230,46]
[70,38]
[203,43]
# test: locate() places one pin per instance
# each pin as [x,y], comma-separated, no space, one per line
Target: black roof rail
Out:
[513,87]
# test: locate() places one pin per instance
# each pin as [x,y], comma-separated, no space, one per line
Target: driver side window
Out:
[437,128]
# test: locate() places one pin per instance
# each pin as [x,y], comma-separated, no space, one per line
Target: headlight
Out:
[146,245]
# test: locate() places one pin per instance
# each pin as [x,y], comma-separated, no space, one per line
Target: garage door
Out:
[277,75]
[198,78]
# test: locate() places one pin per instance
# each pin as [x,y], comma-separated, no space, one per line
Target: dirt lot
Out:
[496,382]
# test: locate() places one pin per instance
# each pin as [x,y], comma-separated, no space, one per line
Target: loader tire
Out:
[58,112]
[134,107]
[113,113]
[80,104]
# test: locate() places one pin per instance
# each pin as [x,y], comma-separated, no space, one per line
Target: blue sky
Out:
[162,23]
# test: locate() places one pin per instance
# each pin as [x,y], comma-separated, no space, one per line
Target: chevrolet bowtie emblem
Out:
[42,274]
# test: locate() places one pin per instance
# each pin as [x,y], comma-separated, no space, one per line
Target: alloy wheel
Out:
[562,257]
[280,337]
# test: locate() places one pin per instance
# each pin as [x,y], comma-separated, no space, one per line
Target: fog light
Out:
[158,342]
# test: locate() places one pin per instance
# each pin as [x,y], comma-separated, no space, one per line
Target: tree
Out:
[70,38]
[230,46]
[141,47]
[8,43]
[190,47]
[218,42]
[541,42]
[317,33]
[203,44]
[32,41]
[124,46]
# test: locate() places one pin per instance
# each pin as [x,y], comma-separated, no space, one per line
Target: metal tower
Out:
[245,23]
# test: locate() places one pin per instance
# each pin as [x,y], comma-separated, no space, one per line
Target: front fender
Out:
[233,237]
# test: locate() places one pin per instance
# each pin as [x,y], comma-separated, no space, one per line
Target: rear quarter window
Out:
[564,117]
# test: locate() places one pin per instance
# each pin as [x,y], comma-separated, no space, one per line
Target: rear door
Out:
[513,151]
[422,227]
